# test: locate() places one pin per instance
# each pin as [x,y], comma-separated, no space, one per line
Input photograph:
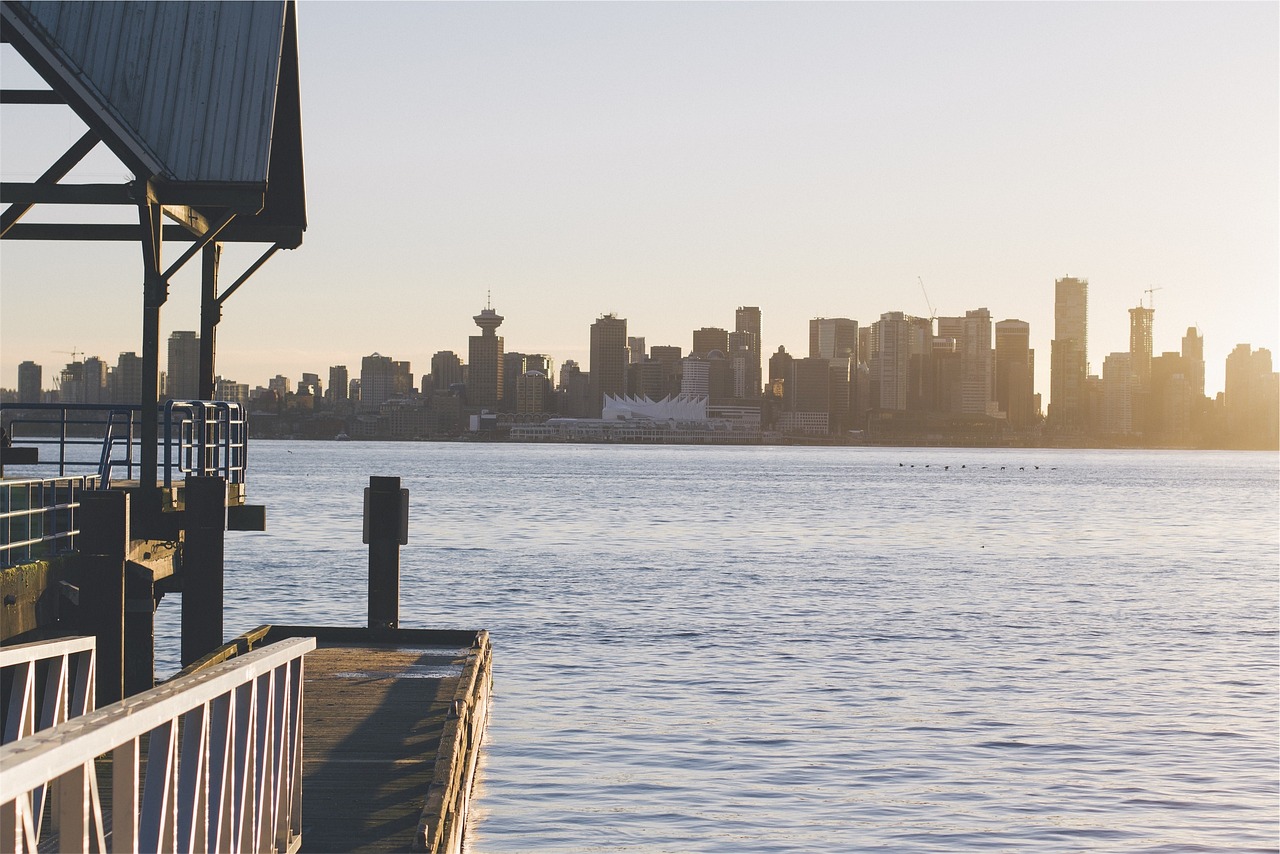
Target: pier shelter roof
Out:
[200,100]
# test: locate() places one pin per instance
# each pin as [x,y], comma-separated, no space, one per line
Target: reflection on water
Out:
[736,649]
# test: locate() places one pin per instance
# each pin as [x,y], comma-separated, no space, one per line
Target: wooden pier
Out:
[392,728]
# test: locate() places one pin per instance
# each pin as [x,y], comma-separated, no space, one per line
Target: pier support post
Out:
[205,523]
[386,528]
[104,546]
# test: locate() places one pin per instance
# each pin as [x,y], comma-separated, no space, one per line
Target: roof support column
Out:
[155,292]
[210,314]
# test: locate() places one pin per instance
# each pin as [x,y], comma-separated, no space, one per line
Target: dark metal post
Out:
[155,293]
[205,523]
[210,314]
[104,546]
[386,515]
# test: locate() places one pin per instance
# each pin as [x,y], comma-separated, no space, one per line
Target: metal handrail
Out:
[63,430]
[68,667]
[223,769]
[211,438]
[38,516]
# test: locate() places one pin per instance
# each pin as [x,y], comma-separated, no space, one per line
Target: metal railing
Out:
[200,437]
[38,516]
[223,769]
[46,683]
[209,436]
[82,435]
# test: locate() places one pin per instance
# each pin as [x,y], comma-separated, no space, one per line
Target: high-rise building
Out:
[977,364]
[1140,344]
[184,366]
[231,391]
[71,383]
[1193,353]
[30,382]
[485,363]
[94,378]
[532,389]
[746,322]
[1118,385]
[709,338]
[895,339]
[513,367]
[608,373]
[1069,355]
[1015,372]
[669,356]
[125,381]
[635,349]
[339,388]
[446,370]
[381,379]
[1252,398]
[833,338]
[810,399]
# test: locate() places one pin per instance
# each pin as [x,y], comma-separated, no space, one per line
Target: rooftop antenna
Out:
[1150,292]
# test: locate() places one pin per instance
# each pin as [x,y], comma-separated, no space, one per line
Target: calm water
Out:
[821,649]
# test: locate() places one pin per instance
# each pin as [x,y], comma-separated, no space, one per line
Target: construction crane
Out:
[1150,296]
[932,314]
[73,352]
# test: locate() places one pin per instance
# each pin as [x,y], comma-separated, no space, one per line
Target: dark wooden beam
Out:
[66,194]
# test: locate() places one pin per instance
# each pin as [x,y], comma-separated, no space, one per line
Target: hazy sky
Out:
[670,162]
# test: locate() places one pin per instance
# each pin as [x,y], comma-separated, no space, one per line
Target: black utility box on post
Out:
[386,529]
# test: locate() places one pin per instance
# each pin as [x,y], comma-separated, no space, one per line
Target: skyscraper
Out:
[977,364]
[709,338]
[833,338]
[126,379]
[895,338]
[1118,381]
[339,383]
[1193,353]
[635,349]
[1015,372]
[381,379]
[747,323]
[30,382]
[184,366]
[485,362]
[1140,345]
[1069,356]
[608,374]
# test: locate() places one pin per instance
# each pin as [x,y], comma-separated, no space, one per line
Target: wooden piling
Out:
[386,516]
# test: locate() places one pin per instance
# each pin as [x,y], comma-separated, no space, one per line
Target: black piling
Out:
[205,524]
[386,528]
[104,541]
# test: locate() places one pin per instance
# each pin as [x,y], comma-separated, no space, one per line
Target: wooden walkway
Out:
[392,724]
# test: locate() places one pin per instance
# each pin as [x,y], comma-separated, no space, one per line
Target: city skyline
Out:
[817,160]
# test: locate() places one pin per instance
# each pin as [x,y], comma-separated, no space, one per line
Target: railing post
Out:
[104,545]
[205,524]
[386,528]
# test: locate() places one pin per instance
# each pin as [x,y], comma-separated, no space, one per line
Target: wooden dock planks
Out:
[391,733]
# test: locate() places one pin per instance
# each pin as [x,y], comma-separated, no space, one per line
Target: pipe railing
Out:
[223,769]
[38,516]
[210,437]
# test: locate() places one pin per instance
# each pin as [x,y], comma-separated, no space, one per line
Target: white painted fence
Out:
[223,770]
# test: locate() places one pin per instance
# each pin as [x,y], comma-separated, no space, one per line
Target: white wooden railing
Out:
[223,769]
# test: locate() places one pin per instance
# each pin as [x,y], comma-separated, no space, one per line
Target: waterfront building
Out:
[231,391]
[30,382]
[746,323]
[513,366]
[669,356]
[645,379]
[485,362]
[833,338]
[310,384]
[709,338]
[1193,352]
[381,379]
[94,381]
[184,366]
[1140,342]
[339,388]
[810,405]
[532,391]
[574,393]
[895,339]
[695,376]
[125,380]
[1118,385]
[608,374]
[1069,355]
[977,364]
[1015,373]
[635,349]
[540,362]
[71,383]
[446,370]
[1170,399]
[1252,398]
